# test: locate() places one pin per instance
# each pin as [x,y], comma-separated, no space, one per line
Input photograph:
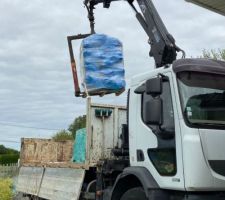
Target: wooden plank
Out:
[58,165]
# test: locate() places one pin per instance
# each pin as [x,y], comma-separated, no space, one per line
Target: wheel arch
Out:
[133,177]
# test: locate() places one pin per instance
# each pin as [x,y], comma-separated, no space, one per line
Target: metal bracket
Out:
[78,93]
[90,9]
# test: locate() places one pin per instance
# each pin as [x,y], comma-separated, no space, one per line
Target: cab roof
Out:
[199,65]
[213,5]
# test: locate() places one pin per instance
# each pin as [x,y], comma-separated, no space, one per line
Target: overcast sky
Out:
[36,84]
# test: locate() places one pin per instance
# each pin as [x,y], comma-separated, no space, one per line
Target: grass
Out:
[6,189]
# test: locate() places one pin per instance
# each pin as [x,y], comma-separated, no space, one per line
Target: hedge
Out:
[9,159]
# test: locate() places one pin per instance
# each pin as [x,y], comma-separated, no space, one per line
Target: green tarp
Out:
[79,149]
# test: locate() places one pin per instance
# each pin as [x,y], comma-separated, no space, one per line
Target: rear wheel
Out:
[134,194]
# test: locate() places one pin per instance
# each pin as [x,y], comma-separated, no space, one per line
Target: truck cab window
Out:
[168,114]
[163,157]
[202,98]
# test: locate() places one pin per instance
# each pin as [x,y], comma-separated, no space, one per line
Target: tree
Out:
[62,135]
[8,156]
[70,134]
[214,54]
[78,123]
[4,150]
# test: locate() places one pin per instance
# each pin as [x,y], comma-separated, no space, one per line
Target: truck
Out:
[171,143]
[47,167]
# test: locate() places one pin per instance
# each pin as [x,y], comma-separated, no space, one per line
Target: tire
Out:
[134,194]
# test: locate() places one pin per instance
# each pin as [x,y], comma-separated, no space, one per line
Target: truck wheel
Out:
[134,194]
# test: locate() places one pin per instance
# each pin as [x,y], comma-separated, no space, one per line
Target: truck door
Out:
[158,147]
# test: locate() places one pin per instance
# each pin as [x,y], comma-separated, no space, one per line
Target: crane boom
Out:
[163,47]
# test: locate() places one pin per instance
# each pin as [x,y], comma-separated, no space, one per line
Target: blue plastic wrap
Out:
[102,64]
[79,149]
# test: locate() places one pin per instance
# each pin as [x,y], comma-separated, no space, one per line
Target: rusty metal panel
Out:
[61,184]
[29,180]
[103,132]
[214,5]
[41,151]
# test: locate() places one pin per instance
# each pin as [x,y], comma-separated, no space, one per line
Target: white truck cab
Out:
[177,125]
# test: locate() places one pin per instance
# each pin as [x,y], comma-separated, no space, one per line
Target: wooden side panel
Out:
[42,151]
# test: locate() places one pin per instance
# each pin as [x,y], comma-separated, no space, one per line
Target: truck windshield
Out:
[202,98]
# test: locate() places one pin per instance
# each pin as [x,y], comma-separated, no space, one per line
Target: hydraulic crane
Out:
[163,46]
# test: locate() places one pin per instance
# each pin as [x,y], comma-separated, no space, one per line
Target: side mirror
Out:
[154,86]
[154,115]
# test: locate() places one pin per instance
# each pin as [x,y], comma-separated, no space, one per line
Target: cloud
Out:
[36,84]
